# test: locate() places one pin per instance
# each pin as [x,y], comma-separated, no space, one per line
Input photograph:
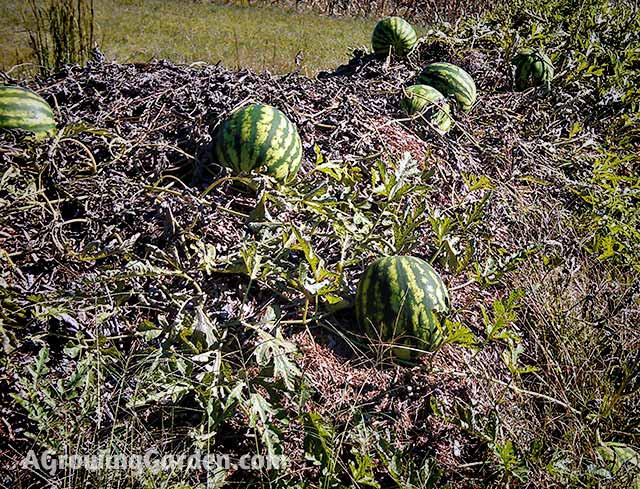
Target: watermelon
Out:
[393,34]
[399,301]
[259,136]
[533,68]
[426,103]
[21,108]
[451,81]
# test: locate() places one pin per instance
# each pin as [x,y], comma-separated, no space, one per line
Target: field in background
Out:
[148,301]
[186,32]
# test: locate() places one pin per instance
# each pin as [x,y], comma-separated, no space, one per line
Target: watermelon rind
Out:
[451,81]
[393,34]
[400,301]
[425,103]
[533,68]
[21,108]
[259,136]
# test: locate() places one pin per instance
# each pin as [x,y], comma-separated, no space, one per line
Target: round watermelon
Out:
[259,136]
[400,300]
[451,81]
[423,102]
[21,108]
[533,68]
[393,34]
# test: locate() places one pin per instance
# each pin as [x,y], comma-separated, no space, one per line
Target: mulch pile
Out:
[131,126]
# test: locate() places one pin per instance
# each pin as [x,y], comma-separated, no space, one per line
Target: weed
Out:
[60,32]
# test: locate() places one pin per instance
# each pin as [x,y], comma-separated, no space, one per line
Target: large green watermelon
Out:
[426,103]
[399,301]
[21,108]
[533,68]
[259,136]
[393,34]
[451,81]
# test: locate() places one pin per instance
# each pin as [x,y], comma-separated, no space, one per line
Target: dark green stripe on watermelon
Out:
[451,81]
[275,125]
[252,149]
[290,161]
[21,108]
[237,124]
[18,123]
[401,303]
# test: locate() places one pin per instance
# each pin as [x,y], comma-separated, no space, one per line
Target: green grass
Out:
[187,32]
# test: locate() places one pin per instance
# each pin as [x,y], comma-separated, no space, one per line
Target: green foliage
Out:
[612,218]
[190,344]
[319,443]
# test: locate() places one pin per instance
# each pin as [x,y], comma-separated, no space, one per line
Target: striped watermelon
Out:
[533,68]
[451,81]
[399,300]
[424,102]
[393,34]
[259,136]
[21,108]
